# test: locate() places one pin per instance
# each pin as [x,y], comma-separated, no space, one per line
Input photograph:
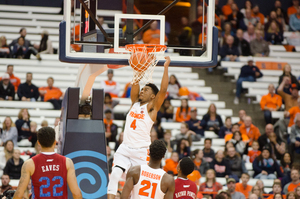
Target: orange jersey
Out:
[270,101]
[52,93]
[14,81]
[292,187]
[253,154]
[171,166]
[291,10]
[252,133]
[183,116]
[226,9]
[293,112]
[230,135]
[240,188]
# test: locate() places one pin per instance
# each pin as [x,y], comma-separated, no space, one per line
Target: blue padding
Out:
[85,60]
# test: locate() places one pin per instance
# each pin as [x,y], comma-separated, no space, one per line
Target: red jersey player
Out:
[50,173]
[185,188]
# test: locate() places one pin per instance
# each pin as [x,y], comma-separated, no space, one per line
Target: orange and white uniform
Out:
[149,184]
[111,87]
[135,146]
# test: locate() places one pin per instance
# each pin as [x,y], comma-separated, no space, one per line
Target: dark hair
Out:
[284,163]
[46,136]
[249,1]
[260,158]
[178,146]
[157,150]
[43,43]
[153,87]
[5,174]
[186,166]
[220,196]
[194,153]
[107,95]
[9,65]
[22,30]
[236,133]
[187,106]
[227,118]
[276,183]
[176,80]
[29,73]
[209,139]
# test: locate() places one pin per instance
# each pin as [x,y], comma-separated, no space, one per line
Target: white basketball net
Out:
[144,65]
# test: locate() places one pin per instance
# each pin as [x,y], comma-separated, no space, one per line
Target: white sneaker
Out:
[236,100]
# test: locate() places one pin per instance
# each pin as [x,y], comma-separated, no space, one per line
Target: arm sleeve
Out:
[220,121]
[19,92]
[12,93]
[256,168]
[278,170]
[291,23]
[244,167]
[228,170]
[279,101]
[285,189]
[177,117]
[204,122]
[36,93]
[263,103]
[257,70]
[293,135]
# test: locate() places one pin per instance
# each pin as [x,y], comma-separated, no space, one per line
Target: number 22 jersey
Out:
[49,179]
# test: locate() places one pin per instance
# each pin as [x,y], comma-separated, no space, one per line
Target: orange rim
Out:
[149,47]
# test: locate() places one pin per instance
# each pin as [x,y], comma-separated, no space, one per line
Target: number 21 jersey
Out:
[49,179]
[138,126]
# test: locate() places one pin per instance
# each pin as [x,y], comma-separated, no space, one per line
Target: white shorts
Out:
[127,157]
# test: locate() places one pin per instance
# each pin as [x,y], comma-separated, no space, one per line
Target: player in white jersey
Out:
[150,181]
[134,149]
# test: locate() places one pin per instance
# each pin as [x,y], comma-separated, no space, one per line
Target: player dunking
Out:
[134,148]
[150,181]
[50,173]
[185,188]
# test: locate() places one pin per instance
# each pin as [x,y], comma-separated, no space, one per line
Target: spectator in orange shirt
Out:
[276,189]
[243,187]
[259,16]
[51,94]
[270,102]
[171,164]
[226,9]
[292,113]
[250,130]
[293,9]
[200,164]
[13,79]
[110,86]
[295,182]
[254,153]
[183,112]
[152,35]
[235,127]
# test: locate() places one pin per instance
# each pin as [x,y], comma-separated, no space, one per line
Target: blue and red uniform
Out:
[49,179]
[185,189]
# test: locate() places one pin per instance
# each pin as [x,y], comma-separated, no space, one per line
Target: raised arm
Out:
[25,179]
[160,97]
[281,86]
[135,91]
[71,180]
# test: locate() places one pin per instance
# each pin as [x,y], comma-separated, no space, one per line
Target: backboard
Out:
[84,40]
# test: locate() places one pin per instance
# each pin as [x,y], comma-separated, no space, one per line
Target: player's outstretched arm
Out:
[132,178]
[72,181]
[171,186]
[135,91]
[160,97]
[26,172]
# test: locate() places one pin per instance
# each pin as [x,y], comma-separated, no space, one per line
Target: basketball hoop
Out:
[143,60]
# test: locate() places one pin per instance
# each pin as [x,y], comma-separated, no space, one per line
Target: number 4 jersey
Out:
[149,184]
[49,179]
[138,126]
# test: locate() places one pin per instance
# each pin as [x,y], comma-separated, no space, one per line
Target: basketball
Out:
[139,61]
